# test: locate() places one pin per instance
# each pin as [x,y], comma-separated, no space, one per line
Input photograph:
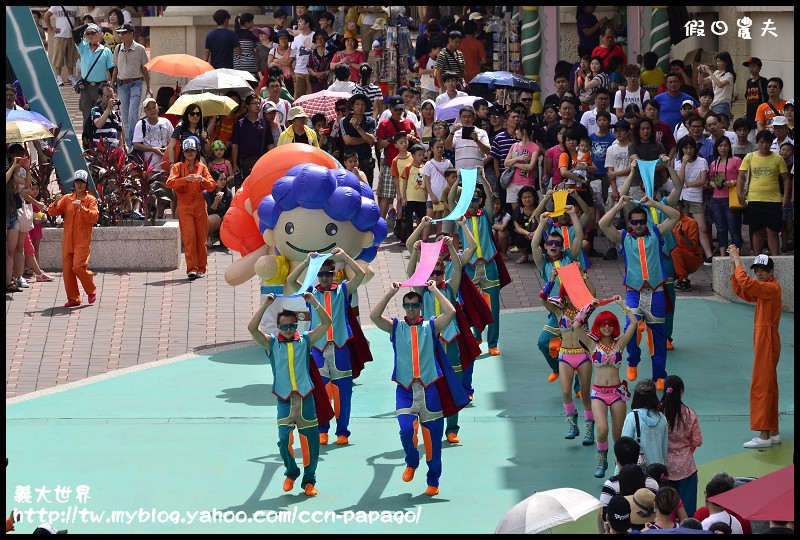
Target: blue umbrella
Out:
[28,116]
[506,79]
[449,111]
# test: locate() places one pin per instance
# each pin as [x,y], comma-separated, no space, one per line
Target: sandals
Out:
[523,259]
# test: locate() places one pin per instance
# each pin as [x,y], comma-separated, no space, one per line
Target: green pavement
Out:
[199,434]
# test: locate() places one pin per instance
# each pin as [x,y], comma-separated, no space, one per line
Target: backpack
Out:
[138,154]
[622,94]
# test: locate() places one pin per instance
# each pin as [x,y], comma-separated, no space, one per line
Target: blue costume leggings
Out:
[309,442]
[340,391]
[669,320]
[657,308]
[465,376]
[432,431]
[493,330]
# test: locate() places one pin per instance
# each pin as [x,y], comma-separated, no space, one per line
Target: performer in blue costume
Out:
[427,388]
[295,377]
[644,278]
[566,226]
[431,307]
[654,217]
[331,353]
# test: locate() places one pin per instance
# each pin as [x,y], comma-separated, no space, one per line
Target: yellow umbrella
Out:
[22,131]
[210,104]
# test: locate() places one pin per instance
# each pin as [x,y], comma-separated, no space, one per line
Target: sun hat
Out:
[779,121]
[296,112]
[642,506]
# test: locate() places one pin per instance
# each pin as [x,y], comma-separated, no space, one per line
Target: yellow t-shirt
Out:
[764,176]
[415,184]
[654,77]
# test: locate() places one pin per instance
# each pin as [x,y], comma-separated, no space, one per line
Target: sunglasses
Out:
[526,100]
[90,33]
[289,326]
[476,199]
[437,273]
[412,305]
[194,113]
[554,243]
[325,273]
[638,222]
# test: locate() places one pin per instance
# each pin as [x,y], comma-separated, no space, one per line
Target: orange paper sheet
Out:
[572,278]
[559,201]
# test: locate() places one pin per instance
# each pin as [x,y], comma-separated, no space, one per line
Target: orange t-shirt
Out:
[692,232]
[765,112]
[474,56]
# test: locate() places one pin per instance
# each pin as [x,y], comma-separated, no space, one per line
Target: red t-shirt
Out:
[702,513]
[386,129]
[603,53]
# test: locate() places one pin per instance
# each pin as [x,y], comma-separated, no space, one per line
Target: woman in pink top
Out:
[524,156]
[551,158]
[723,172]
[684,437]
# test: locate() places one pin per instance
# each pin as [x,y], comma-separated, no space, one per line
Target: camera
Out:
[117,102]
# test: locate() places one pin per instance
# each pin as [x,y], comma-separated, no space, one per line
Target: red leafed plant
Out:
[112,170]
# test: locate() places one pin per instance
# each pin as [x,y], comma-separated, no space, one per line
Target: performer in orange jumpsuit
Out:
[189,178]
[80,214]
[766,293]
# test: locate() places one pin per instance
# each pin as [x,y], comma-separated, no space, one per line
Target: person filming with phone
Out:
[471,143]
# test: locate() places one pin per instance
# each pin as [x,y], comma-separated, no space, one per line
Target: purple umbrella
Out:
[449,111]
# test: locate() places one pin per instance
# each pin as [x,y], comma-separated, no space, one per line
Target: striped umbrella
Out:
[323,102]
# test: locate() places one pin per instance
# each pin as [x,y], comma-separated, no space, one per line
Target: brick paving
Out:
[143,317]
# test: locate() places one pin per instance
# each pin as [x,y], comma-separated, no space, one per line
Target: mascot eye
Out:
[331,229]
[289,228]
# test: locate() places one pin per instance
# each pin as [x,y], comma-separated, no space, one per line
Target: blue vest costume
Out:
[415,343]
[289,362]
[656,216]
[334,301]
[643,260]
[432,308]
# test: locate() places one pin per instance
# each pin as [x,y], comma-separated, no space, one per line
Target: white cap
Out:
[475,16]
[779,121]
[687,102]
[80,174]
[147,101]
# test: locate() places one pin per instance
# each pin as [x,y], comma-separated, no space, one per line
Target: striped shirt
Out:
[449,61]
[501,145]
[611,488]
[372,91]
[110,129]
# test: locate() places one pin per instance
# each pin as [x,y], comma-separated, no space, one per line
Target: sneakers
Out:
[494,351]
[323,439]
[514,249]
[288,484]
[391,215]
[611,255]
[632,373]
[432,490]
[310,490]
[553,377]
[13,288]
[59,80]
[660,384]
[72,303]
[43,278]
[602,464]
[22,283]
[775,439]
[757,442]
[452,438]
[408,474]
[588,440]
[708,261]
[683,285]
[341,439]
[72,81]
[572,432]
[192,276]
[92,298]
[200,274]
[670,346]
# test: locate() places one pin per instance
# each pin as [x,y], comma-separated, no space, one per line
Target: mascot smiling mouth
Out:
[322,250]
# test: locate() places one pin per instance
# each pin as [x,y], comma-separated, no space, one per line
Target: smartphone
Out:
[466,132]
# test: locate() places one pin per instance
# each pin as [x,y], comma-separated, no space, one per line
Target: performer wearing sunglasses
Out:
[294,380]
[330,351]
[645,277]
[427,388]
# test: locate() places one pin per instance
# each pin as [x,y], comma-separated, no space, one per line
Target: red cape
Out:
[357,345]
[502,271]
[321,400]
[452,395]
[476,311]
[468,347]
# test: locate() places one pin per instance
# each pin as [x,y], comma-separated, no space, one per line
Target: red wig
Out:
[606,318]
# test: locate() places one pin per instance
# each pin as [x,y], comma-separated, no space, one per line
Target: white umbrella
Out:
[215,81]
[547,509]
[246,75]
[449,111]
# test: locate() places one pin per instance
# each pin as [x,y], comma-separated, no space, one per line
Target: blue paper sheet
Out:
[311,274]
[469,179]
[647,170]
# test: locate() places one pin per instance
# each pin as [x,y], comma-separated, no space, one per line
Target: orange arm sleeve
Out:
[753,289]
[175,179]
[92,213]
[208,182]
[59,208]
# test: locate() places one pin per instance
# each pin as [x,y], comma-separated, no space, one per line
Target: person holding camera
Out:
[107,122]
[470,143]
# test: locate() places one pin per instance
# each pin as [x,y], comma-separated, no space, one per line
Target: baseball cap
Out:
[81,175]
[687,102]
[779,121]
[268,107]
[618,513]
[642,505]
[789,103]
[752,60]
[147,101]
[475,16]
[396,102]
[190,143]
[281,33]
[763,261]
[496,110]
[127,27]
[93,27]
[622,124]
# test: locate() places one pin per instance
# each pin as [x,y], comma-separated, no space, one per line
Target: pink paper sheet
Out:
[429,254]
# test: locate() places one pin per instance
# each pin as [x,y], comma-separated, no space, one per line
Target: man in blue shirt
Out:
[221,42]
[97,61]
[671,101]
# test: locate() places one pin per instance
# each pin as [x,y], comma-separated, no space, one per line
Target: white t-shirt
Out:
[301,46]
[693,171]
[589,120]
[723,517]
[406,114]
[443,98]
[776,146]
[63,28]
[435,169]
[342,86]
[723,94]
[617,158]
[157,136]
[634,97]
[426,81]
[468,154]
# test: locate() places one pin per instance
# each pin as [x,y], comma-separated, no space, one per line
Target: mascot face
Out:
[302,230]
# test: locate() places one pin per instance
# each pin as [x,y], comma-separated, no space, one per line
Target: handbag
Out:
[403,226]
[733,197]
[642,461]
[508,174]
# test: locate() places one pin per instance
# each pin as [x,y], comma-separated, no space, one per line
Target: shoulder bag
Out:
[733,197]
[508,173]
